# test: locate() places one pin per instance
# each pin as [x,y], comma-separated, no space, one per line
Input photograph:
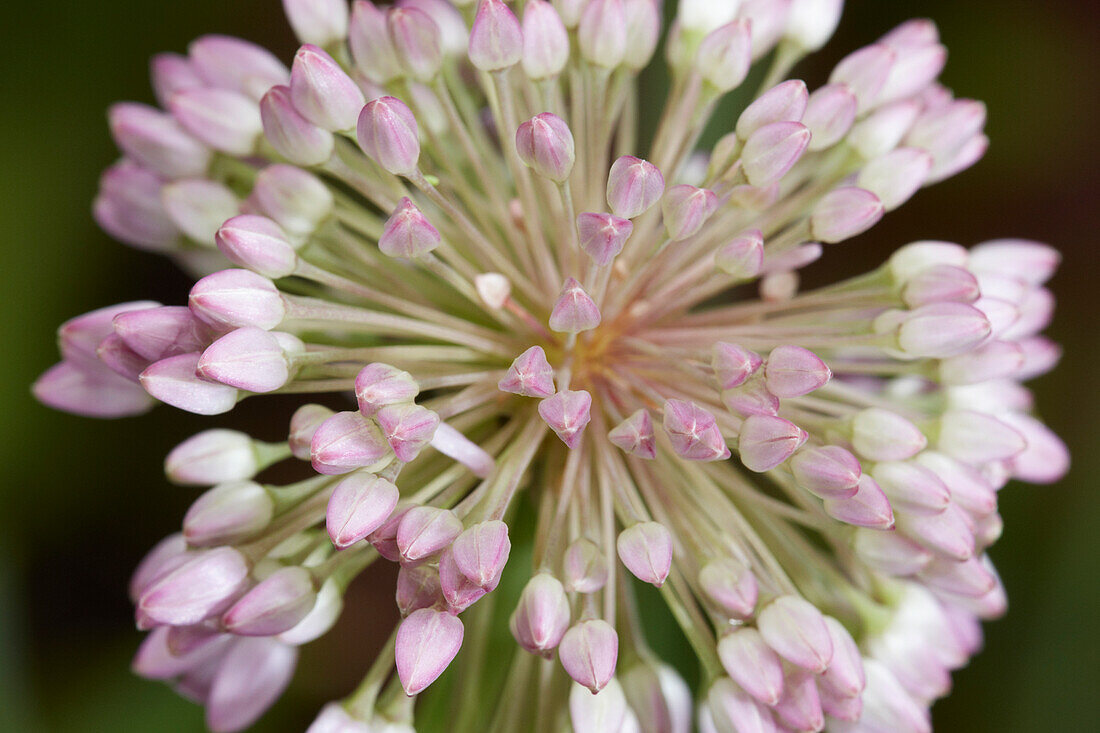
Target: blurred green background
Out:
[82,500]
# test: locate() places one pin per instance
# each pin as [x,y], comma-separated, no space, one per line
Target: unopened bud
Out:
[542,614]
[730,586]
[347,441]
[589,652]
[584,566]
[359,505]
[567,413]
[388,134]
[646,551]
[481,552]
[635,435]
[843,213]
[496,38]
[275,605]
[633,186]
[686,209]
[378,385]
[292,135]
[784,102]
[529,375]
[427,641]
[545,144]
[545,41]
[258,244]
[694,432]
[425,531]
[743,257]
[827,471]
[174,382]
[574,311]
[765,441]
[602,236]
[751,663]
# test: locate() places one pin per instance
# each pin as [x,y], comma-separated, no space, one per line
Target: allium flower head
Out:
[442,213]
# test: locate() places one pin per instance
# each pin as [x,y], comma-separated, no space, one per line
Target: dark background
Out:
[82,500]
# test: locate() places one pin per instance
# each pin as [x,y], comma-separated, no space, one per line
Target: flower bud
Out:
[427,641]
[868,507]
[567,413]
[912,487]
[948,533]
[359,505]
[388,134]
[275,605]
[198,207]
[635,435]
[370,44]
[228,513]
[458,590]
[865,71]
[232,63]
[800,706]
[129,207]
[725,56]
[882,131]
[751,663]
[646,551]
[320,22]
[589,652]
[601,33]
[743,257]
[249,680]
[769,20]
[292,135]
[881,435]
[426,530]
[481,552]
[347,441]
[1045,459]
[258,244]
[321,92]
[174,382]
[249,358]
[545,41]
[975,437]
[830,112]
[694,432]
[496,38]
[784,102]
[940,330]
[602,236]
[796,630]
[333,718]
[594,713]
[733,710]
[303,424]
[296,200]
[584,567]
[155,140]
[417,42]
[633,185]
[156,333]
[772,150]
[545,144]
[766,441]
[1032,262]
[212,457]
[686,209]
[812,22]
[408,428]
[940,283]
[417,587]
[225,120]
[542,614]
[828,471]
[530,375]
[792,371]
[378,385]
[408,233]
[171,72]
[120,358]
[574,310]
[896,176]
[704,16]
[166,556]
[843,213]
[197,589]
[658,696]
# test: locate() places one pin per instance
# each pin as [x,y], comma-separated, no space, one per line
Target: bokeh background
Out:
[81,501]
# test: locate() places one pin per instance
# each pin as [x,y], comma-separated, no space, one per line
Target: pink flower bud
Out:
[481,552]
[686,209]
[1032,262]
[733,709]
[914,70]
[730,586]
[792,371]
[593,713]
[769,20]
[584,566]
[751,398]
[646,551]
[258,244]
[751,663]
[912,487]
[156,333]
[567,413]
[948,533]
[868,507]
[384,539]
[249,680]
[574,310]
[658,695]
[155,140]
[865,72]
[830,112]
[275,605]
[845,673]
[303,424]
[743,257]
[378,385]
[359,505]
[725,56]
[228,513]
[939,330]
[828,471]
[388,134]
[454,35]
[772,150]
[542,614]
[496,38]
[694,432]
[882,130]
[197,589]
[225,120]
[408,233]
[969,489]
[843,213]
[602,236]
[887,705]
[248,358]
[171,72]
[296,200]
[454,444]
[321,92]
[120,358]
[784,102]
[211,457]
[427,641]
[493,288]
[589,652]
[458,590]
[320,22]
[881,435]
[426,530]
[940,283]
[800,706]
[530,375]
[545,41]
[198,207]
[812,22]
[601,33]
[232,63]
[408,428]
[635,435]
[946,130]
[318,622]
[346,441]
[417,587]
[796,630]
[1045,459]
[969,578]
[896,176]
[292,135]
[174,382]
[545,144]
[417,42]
[633,185]
[370,43]
[334,718]
[913,259]
[766,441]
[703,16]
[975,437]
[166,555]
[129,208]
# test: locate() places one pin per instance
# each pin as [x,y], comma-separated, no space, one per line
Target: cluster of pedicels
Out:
[438,208]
